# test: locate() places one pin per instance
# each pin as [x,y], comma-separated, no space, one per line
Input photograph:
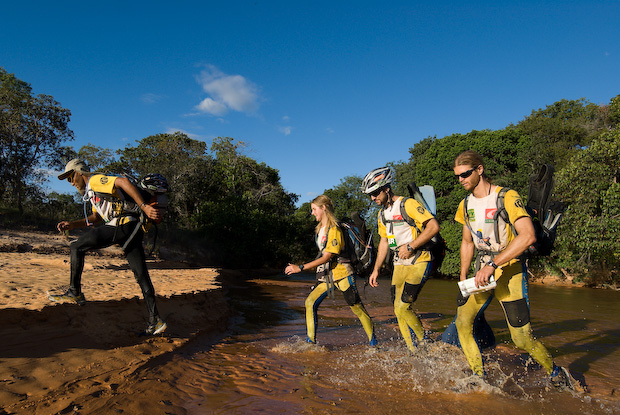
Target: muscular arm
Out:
[150,211]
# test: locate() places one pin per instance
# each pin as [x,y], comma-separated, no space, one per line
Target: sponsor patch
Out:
[489,214]
[471,216]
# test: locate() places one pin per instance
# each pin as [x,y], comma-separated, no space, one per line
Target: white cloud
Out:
[286,130]
[329,130]
[227,92]
[210,106]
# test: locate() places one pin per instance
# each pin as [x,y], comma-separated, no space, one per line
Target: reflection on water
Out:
[264,365]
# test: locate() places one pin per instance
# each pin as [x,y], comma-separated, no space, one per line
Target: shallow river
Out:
[263,365]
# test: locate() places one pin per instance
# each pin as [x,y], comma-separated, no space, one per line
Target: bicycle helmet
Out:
[154,183]
[376,179]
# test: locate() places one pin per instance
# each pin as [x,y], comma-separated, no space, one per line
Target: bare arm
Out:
[80,223]
[467,252]
[293,269]
[431,228]
[525,237]
[382,252]
[150,211]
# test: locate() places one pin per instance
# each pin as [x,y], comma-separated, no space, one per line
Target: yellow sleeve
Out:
[459,216]
[335,242]
[380,225]
[514,206]
[417,212]
[103,184]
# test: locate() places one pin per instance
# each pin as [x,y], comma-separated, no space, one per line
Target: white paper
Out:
[468,286]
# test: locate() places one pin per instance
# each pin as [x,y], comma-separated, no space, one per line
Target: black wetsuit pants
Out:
[104,236]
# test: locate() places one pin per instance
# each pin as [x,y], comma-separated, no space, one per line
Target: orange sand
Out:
[53,356]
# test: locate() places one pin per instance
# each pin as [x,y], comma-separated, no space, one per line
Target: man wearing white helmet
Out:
[406,228]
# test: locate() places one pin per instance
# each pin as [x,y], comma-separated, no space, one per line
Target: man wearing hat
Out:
[120,227]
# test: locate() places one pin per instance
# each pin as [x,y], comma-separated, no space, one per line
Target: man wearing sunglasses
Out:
[406,228]
[103,193]
[496,247]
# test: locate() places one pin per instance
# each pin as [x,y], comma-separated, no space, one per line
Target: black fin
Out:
[541,185]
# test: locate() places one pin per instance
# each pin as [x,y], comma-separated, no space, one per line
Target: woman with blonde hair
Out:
[332,269]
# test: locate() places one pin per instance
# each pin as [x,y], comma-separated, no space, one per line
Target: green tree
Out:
[97,158]
[431,164]
[590,229]
[182,160]
[32,131]
[559,130]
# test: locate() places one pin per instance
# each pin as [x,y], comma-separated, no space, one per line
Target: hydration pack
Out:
[359,249]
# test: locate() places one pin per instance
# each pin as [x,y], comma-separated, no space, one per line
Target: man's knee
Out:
[351,296]
[517,312]
[410,292]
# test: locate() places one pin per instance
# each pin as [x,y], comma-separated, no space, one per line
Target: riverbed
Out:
[262,364]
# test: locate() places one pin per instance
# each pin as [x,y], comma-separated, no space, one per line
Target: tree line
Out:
[229,210]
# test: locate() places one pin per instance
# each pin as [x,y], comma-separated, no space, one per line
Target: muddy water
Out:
[263,365]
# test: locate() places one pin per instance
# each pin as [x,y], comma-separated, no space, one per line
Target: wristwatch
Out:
[409,248]
[301,267]
[491,263]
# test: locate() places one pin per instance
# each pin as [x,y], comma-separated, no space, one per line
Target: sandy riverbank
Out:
[54,356]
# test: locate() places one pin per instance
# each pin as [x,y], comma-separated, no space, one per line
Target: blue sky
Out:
[318,90]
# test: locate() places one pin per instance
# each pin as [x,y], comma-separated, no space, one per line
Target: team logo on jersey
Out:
[103,180]
[519,203]
[489,214]
[421,210]
[471,216]
[334,242]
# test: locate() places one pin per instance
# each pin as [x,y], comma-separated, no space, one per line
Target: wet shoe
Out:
[561,378]
[68,296]
[373,341]
[158,326]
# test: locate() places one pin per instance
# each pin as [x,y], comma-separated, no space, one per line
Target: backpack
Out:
[153,188]
[545,216]
[437,245]
[359,249]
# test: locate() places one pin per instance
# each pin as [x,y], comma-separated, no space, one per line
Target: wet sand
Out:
[54,357]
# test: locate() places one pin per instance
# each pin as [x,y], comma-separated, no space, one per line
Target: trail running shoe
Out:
[158,326]
[561,378]
[68,296]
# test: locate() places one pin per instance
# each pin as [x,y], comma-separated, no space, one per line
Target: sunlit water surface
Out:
[264,365]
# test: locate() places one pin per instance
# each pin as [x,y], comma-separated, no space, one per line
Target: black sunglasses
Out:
[375,193]
[466,174]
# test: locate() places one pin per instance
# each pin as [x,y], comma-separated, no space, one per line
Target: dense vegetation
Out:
[227,209]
